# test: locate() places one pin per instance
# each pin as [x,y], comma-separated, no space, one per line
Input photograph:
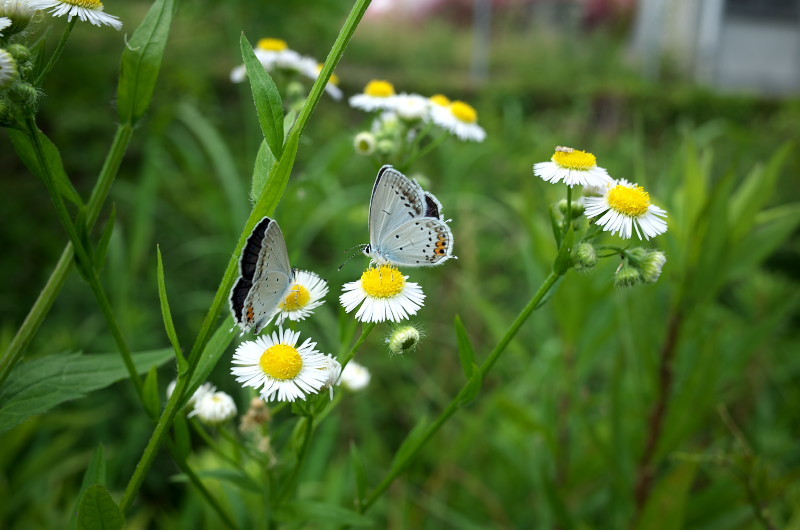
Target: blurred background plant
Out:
[670,405]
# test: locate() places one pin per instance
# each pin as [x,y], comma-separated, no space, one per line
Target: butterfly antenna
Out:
[359,247]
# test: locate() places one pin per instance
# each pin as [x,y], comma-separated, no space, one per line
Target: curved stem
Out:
[365,331]
[56,53]
[455,404]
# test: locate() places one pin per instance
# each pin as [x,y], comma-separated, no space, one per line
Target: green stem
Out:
[301,458]
[83,257]
[56,53]
[220,299]
[57,278]
[365,331]
[568,218]
[455,404]
[427,149]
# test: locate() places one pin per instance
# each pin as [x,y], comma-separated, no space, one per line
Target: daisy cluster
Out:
[414,112]
[276,57]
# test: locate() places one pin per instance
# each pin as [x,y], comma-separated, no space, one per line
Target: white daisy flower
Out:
[205,388]
[383,294]
[574,167]
[625,207]
[355,377]
[8,70]
[280,369]
[439,100]
[411,107]
[307,293]
[377,95]
[214,407]
[18,12]
[4,23]
[334,371]
[87,10]
[459,119]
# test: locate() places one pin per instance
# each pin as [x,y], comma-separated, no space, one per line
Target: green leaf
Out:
[213,351]
[95,474]
[266,97]
[278,178]
[141,61]
[473,387]
[152,399]
[360,473]
[101,250]
[98,511]
[413,441]
[465,350]
[772,229]
[667,504]
[265,161]
[183,439]
[37,386]
[24,148]
[167,314]
[330,514]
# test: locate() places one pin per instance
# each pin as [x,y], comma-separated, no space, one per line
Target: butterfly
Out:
[265,277]
[406,226]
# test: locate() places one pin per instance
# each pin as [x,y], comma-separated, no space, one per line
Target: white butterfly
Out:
[406,226]
[266,277]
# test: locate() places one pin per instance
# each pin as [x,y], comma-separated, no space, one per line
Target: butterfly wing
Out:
[395,200]
[421,242]
[433,208]
[266,276]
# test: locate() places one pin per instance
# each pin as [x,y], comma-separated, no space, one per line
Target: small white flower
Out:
[307,293]
[334,370]
[574,167]
[8,70]
[377,95]
[214,407]
[411,107]
[364,143]
[459,119]
[355,377]
[4,23]
[205,388]
[383,294]
[280,369]
[87,10]
[626,207]
[18,12]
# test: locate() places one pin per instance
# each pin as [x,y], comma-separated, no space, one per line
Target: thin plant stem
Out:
[427,149]
[57,278]
[56,53]
[301,458]
[365,331]
[83,257]
[455,404]
[220,299]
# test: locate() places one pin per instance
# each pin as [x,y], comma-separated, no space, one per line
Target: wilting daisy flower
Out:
[334,370]
[384,294]
[459,119]
[364,143]
[574,167]
[307,293]
[4,23]
[377,95]
[8,70]
[411,107]
[355,377]
[625,206]
[278,368]
[214,407]
[87,10]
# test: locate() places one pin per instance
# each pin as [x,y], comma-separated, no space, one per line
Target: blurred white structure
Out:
[733,45]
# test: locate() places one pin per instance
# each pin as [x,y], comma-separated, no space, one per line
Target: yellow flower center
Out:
[297,298]
[632,202]
[89,4]
[574,158]
[334,78]
[383,282]
[270,45]
[440,99]
[379,89]
[282,362]
[464,112]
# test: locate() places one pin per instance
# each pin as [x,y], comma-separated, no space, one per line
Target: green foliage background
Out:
[556,438]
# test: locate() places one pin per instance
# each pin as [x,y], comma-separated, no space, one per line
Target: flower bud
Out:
[295,90]
[585,256]
[385,147]
[577,208]
[8,70]
[21,53]
[364,143]
[652,264]
[256,416]
[24,94]
[355,377]
[20,14]
[627,276]
[403,339]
